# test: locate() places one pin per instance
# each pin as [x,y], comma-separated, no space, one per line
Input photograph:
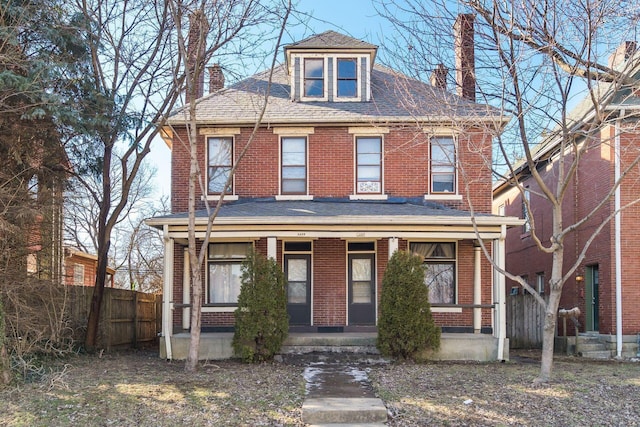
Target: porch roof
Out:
[393,211]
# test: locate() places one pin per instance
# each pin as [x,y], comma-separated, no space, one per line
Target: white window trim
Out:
[227,196]
[358,58]
[304,196]
[455,195]
[80,268]
[325,96]
[367,196]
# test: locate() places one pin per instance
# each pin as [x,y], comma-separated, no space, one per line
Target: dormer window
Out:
[314,77]
[347,78]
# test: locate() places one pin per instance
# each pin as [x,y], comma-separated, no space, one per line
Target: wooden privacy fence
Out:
[127,318]
[525,321]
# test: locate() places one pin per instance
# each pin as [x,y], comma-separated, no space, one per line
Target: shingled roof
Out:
[330,40]
[395,98]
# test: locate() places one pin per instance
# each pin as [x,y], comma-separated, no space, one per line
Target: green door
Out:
[592,300]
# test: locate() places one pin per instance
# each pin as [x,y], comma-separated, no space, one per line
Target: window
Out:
[369,164]
[314,77]
[439,270]
[526,204]
[78,274]
[540,283]
[220,164]
[525,279]
[347,78]
[294,165]
[225,261]
[443,165]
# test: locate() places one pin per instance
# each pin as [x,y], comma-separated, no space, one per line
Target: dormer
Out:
[330,67]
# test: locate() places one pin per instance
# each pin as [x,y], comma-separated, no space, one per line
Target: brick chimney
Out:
[439,77]
[622,53]
[216,78]
[195,53]
[465,56]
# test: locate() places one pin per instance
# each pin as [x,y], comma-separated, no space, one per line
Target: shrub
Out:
[406,328]
[262,323]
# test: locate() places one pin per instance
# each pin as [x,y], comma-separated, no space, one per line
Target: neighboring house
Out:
[80,269]
[607,299]
[352,161]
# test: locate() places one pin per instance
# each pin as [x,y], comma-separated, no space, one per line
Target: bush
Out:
[406,328]
[262,322]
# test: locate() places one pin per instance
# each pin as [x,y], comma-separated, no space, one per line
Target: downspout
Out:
[167,285]
[617,228]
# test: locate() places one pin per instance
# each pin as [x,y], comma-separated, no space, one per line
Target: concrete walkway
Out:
[338,392]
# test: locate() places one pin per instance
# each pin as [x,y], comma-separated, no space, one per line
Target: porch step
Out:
[299,343]
[596,354]
[345,411]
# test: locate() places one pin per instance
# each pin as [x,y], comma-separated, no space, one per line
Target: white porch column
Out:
[393,245]
[477,290]
[272,247]
[186,290]
[500,326]
[167,292]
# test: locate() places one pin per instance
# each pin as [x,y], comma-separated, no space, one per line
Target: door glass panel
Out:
[297,270]
[297,293]
[361,292]
[361,269]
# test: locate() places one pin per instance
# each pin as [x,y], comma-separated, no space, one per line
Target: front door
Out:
[297,270]
[362,294]
[592,299]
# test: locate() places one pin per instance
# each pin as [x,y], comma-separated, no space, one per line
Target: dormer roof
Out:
[330,41]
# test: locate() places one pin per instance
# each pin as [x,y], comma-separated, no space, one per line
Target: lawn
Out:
[139,389]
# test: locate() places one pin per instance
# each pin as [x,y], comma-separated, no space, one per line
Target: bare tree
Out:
[534,60]
[209,30]
[133,68]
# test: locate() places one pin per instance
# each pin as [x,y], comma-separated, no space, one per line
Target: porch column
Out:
[186,290]
[167,292]
[500,327]
[477,290]
[272,247]
[393,245]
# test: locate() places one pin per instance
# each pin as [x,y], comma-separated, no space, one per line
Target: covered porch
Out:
[343,249]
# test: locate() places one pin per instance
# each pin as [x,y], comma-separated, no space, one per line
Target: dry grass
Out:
[140,389]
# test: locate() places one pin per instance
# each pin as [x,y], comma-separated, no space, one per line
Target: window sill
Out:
[216,197]
[446,309]
[293,197]
[443,196]
[227,309]
[368,197]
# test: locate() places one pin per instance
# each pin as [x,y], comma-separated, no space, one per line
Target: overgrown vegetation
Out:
[262,323]
[406,328]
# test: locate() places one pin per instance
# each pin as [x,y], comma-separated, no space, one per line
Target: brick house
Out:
[604,287]
[352,161]
[80,269]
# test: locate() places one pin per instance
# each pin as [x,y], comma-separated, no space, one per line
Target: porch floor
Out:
[453,346]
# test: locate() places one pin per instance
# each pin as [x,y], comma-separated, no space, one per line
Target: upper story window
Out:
[369,164]
[526,204]
[443,165]
[347,78]
[314,77]
[220,162]
[294,165]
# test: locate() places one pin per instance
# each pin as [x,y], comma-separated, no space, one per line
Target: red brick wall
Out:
[331,166]
[592,183]
[329,282]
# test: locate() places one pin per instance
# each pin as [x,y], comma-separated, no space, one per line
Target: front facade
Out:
[352,162]
[604,287]
[80,269]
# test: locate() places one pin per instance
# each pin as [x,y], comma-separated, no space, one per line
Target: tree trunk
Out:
[551,317]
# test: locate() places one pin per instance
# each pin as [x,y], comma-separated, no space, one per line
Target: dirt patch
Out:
[139,389]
